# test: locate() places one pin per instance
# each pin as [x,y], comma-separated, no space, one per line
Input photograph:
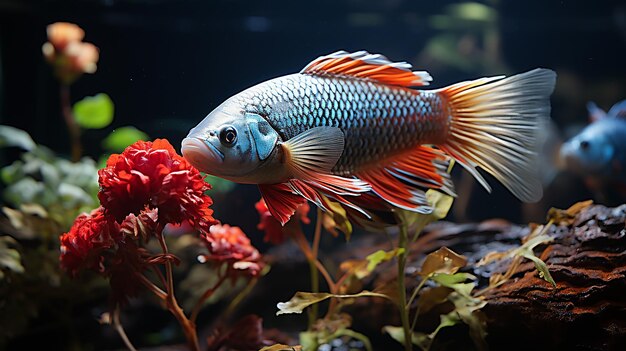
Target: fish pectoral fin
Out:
[315,150]
[311,156]
[280,200]
[362,64]
[404,180]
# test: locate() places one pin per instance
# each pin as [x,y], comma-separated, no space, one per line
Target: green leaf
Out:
[122,137]
[448,280]
[440,203]
[11,136]
[380,256]
[541,266]
[94,112]
[443,260]
[302,300]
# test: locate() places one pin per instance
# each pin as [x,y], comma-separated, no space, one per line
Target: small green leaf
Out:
[10,136]
[94,112]
[380,256]
[443,260]
[445,279]
[122,137]
[541,266]
[441,204]
[302,300]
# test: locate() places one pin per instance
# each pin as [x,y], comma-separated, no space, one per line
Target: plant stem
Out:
[404,312]
[208,293]
[150,285]
[189,327]
[72,127]
[315,266]
[315,283]
[120,330]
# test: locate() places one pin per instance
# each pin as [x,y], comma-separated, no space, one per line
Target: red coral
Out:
[272,227]
[83,247]
[152,175]
[231,245]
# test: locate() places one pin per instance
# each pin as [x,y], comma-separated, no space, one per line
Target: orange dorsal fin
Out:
[403,181]
[362,64]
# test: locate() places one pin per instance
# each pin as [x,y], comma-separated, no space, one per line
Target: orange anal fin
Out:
[403,181]
[281,201]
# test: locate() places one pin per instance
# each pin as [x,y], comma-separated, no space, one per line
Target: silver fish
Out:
[349,125]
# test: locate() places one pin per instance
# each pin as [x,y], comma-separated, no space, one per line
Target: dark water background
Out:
[166,64]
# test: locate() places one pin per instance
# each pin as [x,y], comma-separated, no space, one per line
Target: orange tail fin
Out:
[495,126]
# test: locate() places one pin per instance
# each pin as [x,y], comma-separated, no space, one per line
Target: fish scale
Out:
[378,121]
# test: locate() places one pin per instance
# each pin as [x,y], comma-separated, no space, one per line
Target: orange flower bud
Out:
[60,34]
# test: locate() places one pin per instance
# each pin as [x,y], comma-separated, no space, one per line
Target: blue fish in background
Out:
[598,152]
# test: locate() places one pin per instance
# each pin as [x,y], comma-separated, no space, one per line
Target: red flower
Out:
[152,175]
[231,245]
[96,242]
[83,247]
[271,226]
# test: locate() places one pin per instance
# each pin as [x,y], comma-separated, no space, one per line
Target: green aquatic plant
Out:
[42,193]
[326,329]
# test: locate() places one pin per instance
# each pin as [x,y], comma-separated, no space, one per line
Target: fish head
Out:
[230,142]
[590,152]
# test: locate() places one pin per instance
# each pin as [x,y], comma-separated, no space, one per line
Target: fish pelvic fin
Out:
[403,181]
[281,201]
[362,64]
[495,125]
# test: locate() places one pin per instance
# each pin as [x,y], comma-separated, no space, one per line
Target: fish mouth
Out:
[201,154]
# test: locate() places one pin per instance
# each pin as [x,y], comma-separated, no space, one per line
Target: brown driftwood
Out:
[586,310]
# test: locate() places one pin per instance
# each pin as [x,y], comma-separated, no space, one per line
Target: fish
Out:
[354,128]
[598,152]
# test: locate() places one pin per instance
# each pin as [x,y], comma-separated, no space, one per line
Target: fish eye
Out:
[584,144]
[228,136]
